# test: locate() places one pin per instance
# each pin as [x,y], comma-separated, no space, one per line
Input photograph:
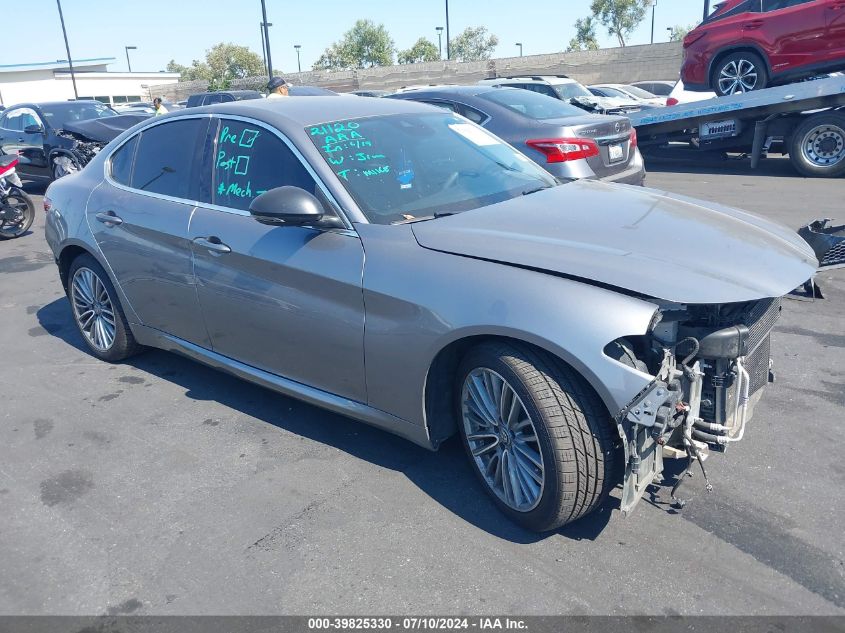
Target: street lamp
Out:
[129,48]
[520,48]
[439,30]
[264,26]
[669,31]
[653,10]
[448,50]
[298,65]
[264,44]
[67,48]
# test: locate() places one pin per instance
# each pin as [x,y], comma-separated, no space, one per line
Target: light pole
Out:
[653,10]
[129,48]
[448,50]
[669,31]
[67,48]
[439,30]
[264,45]
[298,65]
[706,8]
[520,48]
[264,26]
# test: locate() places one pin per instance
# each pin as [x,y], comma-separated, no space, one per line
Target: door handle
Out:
[109,218]
[212,243]
[754,24]
[20,140]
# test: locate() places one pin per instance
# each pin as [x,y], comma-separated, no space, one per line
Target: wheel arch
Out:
[439,412]
[743,47]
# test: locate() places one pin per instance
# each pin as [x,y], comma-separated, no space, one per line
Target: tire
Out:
[574,435]
[817,147]
[24,204]
[739,72]
[64,168]
[85,273]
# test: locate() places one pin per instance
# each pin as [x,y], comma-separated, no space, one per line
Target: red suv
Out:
[746,45]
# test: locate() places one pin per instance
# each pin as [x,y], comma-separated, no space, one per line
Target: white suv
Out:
[566,89]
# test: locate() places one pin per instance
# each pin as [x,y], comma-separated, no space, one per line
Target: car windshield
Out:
[639,92]
[568,91]
[401,168]
[60,114]
[613,92]
[531,104]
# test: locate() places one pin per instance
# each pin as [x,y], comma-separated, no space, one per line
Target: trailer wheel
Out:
[817,148]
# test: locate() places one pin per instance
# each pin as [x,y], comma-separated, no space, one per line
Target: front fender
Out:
[419,301]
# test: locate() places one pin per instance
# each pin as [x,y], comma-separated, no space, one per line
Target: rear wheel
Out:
[739,72]
[817,147]
[97,312]
[539,438]
[16,214]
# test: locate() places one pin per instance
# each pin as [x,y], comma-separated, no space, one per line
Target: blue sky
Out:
[184,29]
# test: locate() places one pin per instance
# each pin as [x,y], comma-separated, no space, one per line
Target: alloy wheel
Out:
[738,76]
[13,227]
[502,439]
[93,309]
[824,145]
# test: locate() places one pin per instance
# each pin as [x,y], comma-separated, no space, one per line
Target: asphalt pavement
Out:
[160,486]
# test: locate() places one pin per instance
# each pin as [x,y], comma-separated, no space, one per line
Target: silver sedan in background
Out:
[402,265]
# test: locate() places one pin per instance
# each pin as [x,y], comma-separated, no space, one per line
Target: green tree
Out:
[620,17]
[223,63]
[422,51]
[585,36]
[228,61]
[679,32]
[473,45]
[197,70]
[364,45]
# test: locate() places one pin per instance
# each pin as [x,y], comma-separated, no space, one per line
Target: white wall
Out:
[44,85]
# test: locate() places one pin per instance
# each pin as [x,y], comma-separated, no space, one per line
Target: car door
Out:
[139,217]
[29,146]
[284,299]
[790,31]
[835,13]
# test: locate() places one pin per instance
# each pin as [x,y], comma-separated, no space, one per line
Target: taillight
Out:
[560,150]
[672,101]
[48,204]
[9,167]
[633,138]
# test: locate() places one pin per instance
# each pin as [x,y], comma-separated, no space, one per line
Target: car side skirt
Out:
[337,404]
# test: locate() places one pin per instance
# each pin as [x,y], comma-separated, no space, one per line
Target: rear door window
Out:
[166,158]
[121,161]
[249,160]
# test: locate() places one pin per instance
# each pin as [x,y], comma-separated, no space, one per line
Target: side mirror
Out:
[287,205]
[33,129]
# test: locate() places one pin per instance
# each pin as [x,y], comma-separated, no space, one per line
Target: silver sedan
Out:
[399,264]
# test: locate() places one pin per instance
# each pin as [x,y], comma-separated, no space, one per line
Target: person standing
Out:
[158,107]
[277,88]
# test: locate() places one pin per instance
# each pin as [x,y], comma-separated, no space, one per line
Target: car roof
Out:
[42,104]
[551,79]
[305,111]
[450,90]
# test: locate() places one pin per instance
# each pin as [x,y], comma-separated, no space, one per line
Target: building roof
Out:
[59,64]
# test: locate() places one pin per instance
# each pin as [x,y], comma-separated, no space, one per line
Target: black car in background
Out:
[32,131]
[209,98]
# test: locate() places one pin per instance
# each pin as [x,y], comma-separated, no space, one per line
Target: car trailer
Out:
[806,119]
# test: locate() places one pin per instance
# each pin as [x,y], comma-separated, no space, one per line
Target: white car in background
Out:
[679,95]
[567,89]
[624,91]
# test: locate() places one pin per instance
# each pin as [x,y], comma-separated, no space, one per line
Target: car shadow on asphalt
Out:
[445,475]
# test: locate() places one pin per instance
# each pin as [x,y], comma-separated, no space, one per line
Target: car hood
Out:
[642,241]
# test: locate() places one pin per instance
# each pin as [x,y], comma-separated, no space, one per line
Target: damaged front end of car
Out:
[709,364]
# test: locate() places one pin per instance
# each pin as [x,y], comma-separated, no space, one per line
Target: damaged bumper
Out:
[710,365]
[827,242]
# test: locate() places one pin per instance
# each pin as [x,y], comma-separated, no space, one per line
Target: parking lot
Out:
[160,486]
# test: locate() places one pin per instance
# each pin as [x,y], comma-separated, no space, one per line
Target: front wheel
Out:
[64,166]
[739,72]
[17,212]
[817,148]
[538,437]
[97,312]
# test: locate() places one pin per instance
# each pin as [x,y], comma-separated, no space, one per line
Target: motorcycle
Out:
[17,211]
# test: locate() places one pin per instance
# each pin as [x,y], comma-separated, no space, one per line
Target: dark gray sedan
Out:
[397,263]
[557,135]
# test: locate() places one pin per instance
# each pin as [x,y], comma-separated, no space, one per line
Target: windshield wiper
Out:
[528,192]
[439,214]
